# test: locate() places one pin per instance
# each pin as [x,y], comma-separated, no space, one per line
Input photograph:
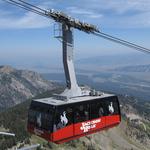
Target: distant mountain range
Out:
[17,86]
[111,81]
[115,60]
[135,68]
[85,62]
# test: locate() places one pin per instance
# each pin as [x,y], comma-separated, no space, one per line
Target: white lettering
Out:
[86,126]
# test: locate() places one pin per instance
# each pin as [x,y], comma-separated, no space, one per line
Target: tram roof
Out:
[55,101]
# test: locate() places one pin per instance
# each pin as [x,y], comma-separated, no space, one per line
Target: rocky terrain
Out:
[17,86]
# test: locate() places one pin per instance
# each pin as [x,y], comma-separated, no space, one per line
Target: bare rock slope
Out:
[18,85]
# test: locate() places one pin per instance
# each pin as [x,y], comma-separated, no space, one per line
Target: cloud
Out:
[122,13]
[141,20]
[84,12]
[11,19]
[120,7]
[110,13]
[28,20]
[124,6]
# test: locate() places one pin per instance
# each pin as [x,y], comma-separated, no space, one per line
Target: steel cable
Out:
[42,12]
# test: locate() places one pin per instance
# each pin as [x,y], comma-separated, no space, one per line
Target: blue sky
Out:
[27,37]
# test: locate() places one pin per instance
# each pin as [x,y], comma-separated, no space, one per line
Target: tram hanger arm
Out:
[63,18]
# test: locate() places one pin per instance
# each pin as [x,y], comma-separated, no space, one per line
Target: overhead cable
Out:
[45,13]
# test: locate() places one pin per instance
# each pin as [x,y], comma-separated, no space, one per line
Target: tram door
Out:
[97,116]
[89,117]
[40,118]
[112,111]
[81,119]
[63,123]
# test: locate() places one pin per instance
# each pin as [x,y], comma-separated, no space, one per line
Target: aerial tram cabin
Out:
[58,121]
[77,111]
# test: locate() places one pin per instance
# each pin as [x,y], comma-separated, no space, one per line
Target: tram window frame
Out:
[44,110]
[78,113]
[96,108]
[57,124]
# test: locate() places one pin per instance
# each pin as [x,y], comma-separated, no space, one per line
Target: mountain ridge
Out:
[134,68]
[116,60]
[17,86]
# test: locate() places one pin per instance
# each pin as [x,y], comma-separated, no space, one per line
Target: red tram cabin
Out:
[59,121]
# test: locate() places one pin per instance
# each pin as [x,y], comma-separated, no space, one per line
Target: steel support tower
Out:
[72,89]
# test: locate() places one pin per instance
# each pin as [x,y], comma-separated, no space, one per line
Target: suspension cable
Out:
[122,42]
[43,12]
[18,4]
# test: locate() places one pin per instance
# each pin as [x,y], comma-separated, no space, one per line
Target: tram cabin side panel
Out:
[56,123]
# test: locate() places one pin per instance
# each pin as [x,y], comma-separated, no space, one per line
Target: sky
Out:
[28,38]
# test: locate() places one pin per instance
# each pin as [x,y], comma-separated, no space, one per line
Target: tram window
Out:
[46,120]
[97,110]
[63,117]
[81,113]
[112,106]
[41,117]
